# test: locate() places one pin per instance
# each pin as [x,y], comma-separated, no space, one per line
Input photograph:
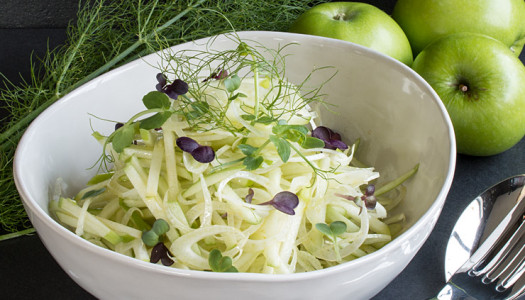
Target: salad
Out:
[229,170]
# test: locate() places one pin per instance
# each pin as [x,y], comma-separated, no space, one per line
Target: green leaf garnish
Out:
[232,83]
[283,147]
[219,263]
[123,137]
[290,132]
[243,49]
[252,162]
[333,230]
[160,226]
[237,96]
[248,117]
[247,149]
[151,237]
[155,121]
[156,99]
[311,142]
[265,120]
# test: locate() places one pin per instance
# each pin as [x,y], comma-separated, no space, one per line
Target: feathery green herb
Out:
[108,34]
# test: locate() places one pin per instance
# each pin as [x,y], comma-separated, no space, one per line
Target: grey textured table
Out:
[27,270]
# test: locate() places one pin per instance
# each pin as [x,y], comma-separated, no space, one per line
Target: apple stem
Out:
[339,16]
[463,87]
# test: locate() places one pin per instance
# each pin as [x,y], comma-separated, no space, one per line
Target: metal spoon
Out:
[479,220]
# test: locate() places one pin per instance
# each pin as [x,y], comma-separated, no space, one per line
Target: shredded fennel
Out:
[206,204]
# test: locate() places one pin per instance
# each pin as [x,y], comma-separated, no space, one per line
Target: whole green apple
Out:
[424,21]
[360,23]
[482,84]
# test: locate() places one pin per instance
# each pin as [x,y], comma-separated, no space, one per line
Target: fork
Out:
[497,267]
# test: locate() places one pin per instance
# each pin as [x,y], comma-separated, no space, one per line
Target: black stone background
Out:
[27,270]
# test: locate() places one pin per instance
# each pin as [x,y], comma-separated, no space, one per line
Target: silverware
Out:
[485,257]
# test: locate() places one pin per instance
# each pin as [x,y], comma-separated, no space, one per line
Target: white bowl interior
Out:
[397,116]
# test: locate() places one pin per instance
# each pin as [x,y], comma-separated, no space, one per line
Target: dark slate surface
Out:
[37,13]
[27,270]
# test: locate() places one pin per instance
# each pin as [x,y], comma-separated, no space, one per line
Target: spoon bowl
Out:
[483,217]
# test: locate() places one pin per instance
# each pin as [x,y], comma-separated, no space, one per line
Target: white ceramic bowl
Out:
[397,115]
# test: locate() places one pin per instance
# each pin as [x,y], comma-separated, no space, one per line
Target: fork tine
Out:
[506,260]
[518,289]
[512,278]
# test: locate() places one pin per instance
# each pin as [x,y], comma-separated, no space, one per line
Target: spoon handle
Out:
[452,292]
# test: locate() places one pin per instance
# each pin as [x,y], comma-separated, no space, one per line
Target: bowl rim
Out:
[35,211]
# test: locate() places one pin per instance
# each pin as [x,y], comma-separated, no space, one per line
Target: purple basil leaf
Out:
[337,144]
[171,93]
[166,260]
[180,87]
[203,154]
[187,144]
[322,133]
[331,139]
[118,125]
[285,202]
[173,90]
[160,252]
[162,82]
[161,78]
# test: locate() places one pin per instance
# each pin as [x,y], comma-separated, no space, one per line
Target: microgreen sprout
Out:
[218,75]
[173,90]
[152,236]
[202,154]
[284,201]
[331,139]
[219,263]
[162,253]
[368,197]
[232,83]
[249,196]
[332,231]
